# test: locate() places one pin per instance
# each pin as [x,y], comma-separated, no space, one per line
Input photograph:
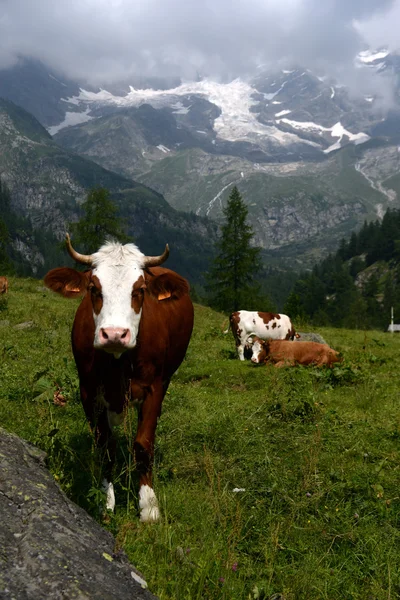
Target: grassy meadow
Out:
[315,453]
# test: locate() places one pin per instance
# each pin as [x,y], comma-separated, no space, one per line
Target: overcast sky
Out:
[109,40]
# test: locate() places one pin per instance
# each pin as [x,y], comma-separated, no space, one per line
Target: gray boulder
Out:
[310,337]
[50,548]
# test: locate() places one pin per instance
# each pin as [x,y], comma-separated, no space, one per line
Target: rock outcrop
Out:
[50,548]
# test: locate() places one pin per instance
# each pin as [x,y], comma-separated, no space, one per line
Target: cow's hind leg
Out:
[149,413]
[285,363]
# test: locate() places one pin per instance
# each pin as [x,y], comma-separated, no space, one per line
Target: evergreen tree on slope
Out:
[99,222]
[231,279]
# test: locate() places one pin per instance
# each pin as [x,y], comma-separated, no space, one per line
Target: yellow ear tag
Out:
[164,295]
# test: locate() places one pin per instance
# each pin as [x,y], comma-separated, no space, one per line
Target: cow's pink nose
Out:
[253,359]
[114,336]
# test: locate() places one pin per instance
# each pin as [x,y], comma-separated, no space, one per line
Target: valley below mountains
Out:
[311,159]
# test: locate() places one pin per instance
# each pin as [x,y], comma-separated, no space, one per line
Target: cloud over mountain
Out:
[110,40]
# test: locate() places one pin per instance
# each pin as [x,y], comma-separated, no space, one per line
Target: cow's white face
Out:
[116,288]
[259,352]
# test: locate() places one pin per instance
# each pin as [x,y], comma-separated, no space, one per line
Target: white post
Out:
[391,320]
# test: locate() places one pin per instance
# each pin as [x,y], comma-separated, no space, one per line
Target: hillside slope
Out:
[48,183]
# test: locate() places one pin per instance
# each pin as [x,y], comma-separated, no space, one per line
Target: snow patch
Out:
[211,203]
[272,96]
[366,56]
[283,112]
[234,99]
[336,130]
[70,119]
[180,109]
[163,148]
[58,81]
[380,211]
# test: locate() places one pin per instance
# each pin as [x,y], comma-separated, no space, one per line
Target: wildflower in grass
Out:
[356,515]
[235,566]
[221,579]
[308,495]
[187,550]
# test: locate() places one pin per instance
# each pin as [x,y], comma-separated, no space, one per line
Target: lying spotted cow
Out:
[287,354]
[265,325]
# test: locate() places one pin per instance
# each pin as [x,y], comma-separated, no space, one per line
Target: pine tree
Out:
[231,279]
[100,221]
[6,266]
[294,306]
[5,262]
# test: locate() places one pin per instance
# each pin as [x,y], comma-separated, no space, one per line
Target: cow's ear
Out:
[67,282]
[167,286]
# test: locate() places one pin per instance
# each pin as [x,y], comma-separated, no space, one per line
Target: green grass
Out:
[316,451]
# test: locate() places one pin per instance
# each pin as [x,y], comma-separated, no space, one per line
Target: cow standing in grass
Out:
[3,285]
[287,354]
[130,334]
[265,325]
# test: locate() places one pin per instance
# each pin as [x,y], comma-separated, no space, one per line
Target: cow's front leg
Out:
[107,444]
[96,413]
[240,350]
[149,412]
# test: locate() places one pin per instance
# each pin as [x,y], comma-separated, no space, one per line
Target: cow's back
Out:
[302,352]
[265,325]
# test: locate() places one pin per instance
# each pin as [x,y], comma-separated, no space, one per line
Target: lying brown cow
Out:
[285,353]
[3,285]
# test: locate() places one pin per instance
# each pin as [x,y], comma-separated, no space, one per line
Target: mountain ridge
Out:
[49,183]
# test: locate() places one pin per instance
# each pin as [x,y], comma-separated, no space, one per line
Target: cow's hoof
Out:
[148,504]
[108,488]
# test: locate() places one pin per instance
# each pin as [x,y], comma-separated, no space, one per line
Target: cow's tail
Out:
[227,330]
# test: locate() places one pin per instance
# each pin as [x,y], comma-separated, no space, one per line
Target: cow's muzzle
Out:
[114,339]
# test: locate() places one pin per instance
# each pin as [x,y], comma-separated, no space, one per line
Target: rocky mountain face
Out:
[49,183]
[38,90]
[308,154]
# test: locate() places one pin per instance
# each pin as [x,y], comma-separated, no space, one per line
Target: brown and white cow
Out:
[130,334]
[3,285]
[287,354]
[265,325]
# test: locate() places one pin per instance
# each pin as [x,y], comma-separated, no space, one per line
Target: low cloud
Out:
[105,41]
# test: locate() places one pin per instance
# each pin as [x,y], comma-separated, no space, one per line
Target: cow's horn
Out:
[154,261]
[84,259]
